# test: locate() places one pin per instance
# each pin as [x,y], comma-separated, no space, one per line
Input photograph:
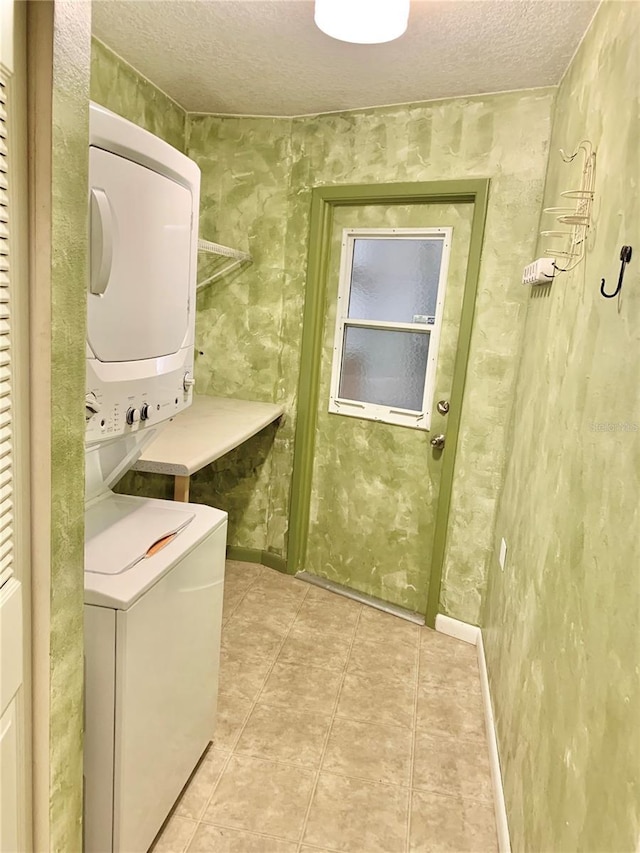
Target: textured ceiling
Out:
[266,57]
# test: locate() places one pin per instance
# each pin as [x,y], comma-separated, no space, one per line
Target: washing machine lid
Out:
[120,535]
[131,542]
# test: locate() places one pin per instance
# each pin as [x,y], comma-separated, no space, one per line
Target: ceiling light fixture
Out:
[362,21]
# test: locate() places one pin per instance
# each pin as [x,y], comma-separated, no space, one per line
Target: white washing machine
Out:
[153,569]
[153,609]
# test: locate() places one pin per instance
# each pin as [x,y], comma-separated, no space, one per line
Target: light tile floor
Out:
[340,728]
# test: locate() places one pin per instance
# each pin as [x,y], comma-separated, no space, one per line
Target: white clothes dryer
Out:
[154,575]
[153,569]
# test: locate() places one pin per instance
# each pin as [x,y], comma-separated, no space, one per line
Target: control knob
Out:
[188,381]
[133,416]
[91,406]
[145,412]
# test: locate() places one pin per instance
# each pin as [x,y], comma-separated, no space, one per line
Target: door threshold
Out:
[363,598]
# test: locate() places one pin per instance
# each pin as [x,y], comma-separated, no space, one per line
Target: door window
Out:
[389,314]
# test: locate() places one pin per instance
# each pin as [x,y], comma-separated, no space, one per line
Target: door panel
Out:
[11,717]
[375,485]
[15,585]
[9,779]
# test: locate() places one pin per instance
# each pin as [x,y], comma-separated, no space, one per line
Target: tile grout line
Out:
[413,742]
[328,734]
[215,785]
[240,600]
[255,832]
[251,709]
[198,821]
[332,717]
[196,824]
[212,746]
[275,660]
[255,584]
[368,721]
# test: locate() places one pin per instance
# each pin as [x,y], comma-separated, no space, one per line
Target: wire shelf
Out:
[226,251]
[235,256]
[573,242]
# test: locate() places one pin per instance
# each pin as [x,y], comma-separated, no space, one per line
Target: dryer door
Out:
[140,260]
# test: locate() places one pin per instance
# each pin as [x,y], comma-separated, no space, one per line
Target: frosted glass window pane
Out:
[395,280]
[384,367]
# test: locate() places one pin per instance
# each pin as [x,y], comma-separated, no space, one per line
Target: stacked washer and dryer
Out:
[154,569]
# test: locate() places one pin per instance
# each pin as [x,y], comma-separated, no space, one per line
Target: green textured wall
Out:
[245,167]
[117,86]
[257,179]
[232,175]
[244,203]
[375,486]
[257,174]
[562,621]
[70,156]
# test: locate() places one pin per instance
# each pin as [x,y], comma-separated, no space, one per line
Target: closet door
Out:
[11,718]
[15,723]
[140,260]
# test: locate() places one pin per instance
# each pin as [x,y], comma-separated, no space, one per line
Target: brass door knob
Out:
[438,441]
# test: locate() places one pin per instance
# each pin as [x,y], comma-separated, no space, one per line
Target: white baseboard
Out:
[455,628]
[472,634]
[502,826]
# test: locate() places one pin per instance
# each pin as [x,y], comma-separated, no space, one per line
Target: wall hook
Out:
[625,257]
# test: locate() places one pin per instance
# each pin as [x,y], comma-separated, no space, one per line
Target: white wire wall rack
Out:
[570,243]
[234,257]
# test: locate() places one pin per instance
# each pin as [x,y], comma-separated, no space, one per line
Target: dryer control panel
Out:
[123,406]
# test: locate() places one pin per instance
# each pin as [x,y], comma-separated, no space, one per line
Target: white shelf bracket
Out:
[235,256]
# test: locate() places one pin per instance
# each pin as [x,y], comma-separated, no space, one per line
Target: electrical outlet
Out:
[502,558]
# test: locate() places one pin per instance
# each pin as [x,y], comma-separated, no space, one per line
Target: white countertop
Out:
[209,428]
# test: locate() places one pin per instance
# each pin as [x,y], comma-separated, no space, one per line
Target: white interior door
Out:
[130,266]
[15,705]
[12,828]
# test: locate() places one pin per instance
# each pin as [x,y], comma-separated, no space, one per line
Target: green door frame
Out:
[323,202]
